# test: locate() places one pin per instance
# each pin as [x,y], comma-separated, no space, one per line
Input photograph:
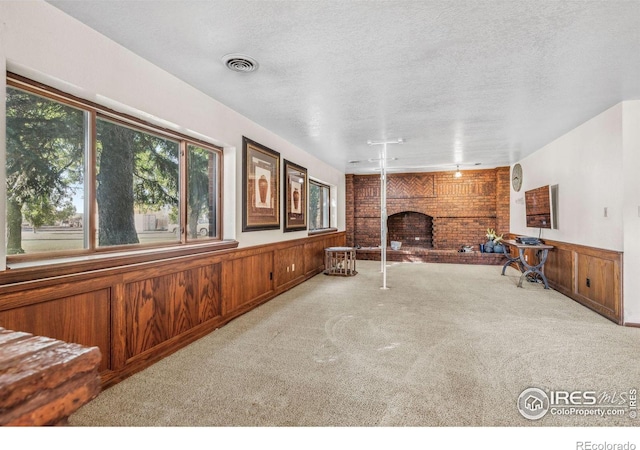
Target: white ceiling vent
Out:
[240,63]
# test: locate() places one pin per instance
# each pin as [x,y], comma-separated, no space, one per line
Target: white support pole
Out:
[383,207]
[383,214]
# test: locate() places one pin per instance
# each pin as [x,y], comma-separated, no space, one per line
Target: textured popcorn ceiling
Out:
[461,81]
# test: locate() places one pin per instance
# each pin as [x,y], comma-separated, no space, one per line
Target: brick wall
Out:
[503,190]
[411,228]
[349,206]
[462,208]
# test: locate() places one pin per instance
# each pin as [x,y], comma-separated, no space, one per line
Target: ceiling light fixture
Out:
[458,174]
[240,63]
[393,141]
[378,159]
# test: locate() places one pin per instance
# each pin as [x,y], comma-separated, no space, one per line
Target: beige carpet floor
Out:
[446,345]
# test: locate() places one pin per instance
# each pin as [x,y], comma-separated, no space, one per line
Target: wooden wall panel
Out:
[209,298]
[314,251]
[334,240]
[182,303]
[559,269]
[247,279]
[568,267]
[140,309]
[289,264]
[314,257]
[530,256]
[601,276]
[162,307]
[82,319]
[146,313]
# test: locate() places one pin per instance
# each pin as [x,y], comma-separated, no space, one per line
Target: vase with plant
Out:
[494,242]
[498,247]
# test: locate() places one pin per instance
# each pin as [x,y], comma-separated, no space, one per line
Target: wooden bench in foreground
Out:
[44,380]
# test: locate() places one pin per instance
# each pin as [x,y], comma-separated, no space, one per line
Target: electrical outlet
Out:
[588,282]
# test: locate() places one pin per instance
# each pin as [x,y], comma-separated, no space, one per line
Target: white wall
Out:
[631,210]
[595,166]
[586,164]
[42,43]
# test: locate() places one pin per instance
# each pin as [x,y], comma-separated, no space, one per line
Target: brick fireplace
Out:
[456,210]
[413,229]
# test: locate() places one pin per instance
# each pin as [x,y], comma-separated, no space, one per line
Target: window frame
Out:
[328,208]
[185,188]
[94,111]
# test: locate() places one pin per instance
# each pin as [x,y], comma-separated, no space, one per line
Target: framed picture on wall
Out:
[294,197]
[260,187]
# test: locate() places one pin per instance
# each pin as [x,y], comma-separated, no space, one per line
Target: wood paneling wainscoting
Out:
[140,310]
[591,276]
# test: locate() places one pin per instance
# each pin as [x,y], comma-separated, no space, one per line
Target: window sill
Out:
[322,231]
[46,268]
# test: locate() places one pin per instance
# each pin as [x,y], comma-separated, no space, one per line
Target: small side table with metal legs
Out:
[526,268]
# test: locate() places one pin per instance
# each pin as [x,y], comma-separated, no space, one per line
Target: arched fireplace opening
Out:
[412,228]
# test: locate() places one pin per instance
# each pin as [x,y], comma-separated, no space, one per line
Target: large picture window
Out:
[319,205]
[45,174]
[81,178]
[137,181]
